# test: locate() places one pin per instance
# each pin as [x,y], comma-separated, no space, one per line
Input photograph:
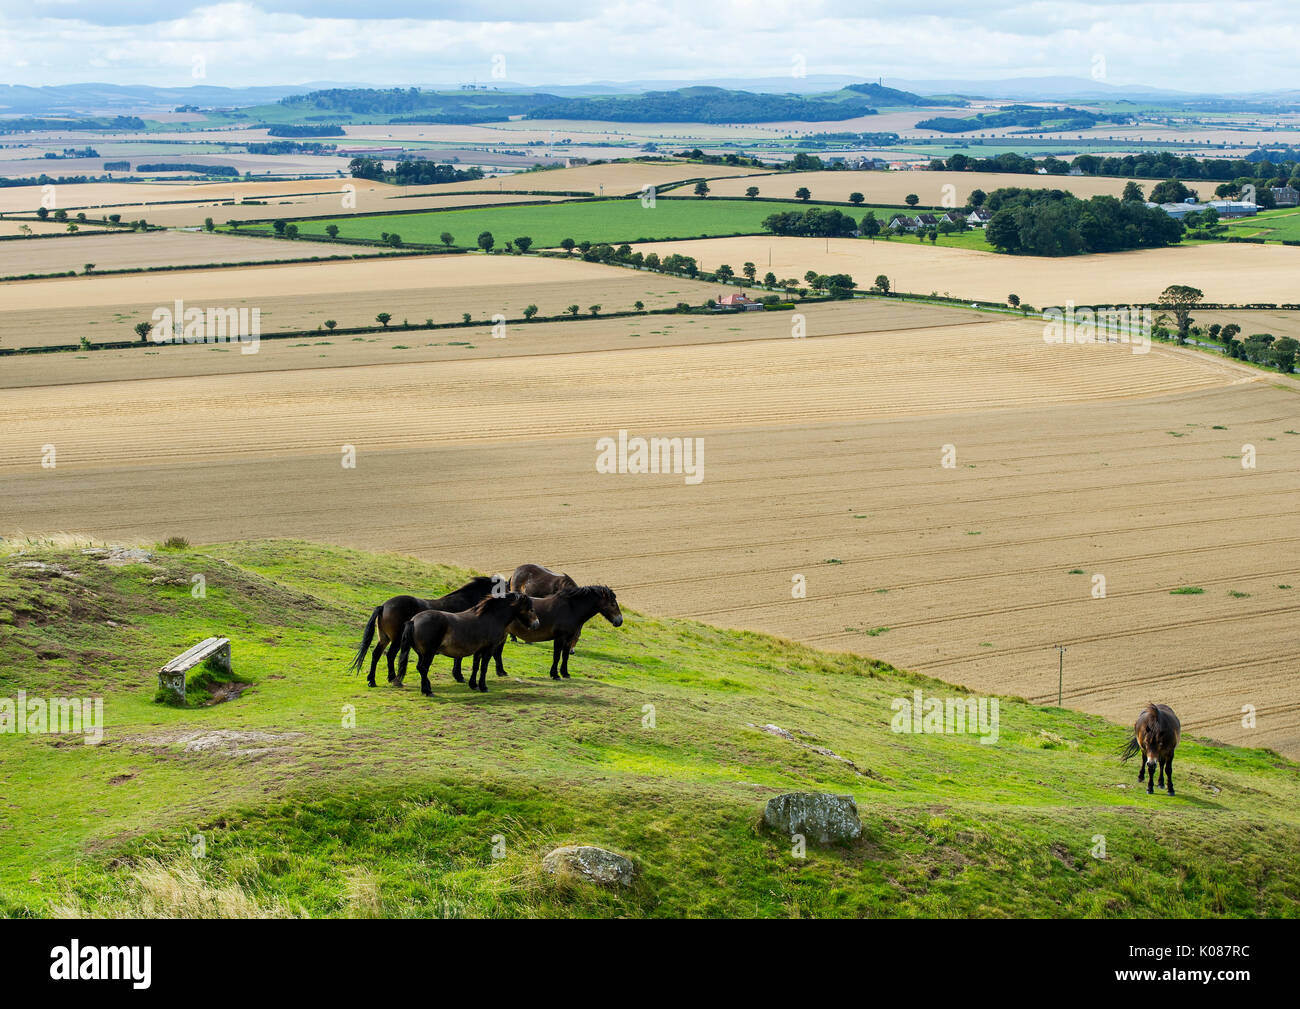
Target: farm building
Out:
[1286,196]
[738,300]
[901,222]
[978,217]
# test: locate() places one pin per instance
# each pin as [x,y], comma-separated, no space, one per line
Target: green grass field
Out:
[352,801]
[1272,225]
[612,221]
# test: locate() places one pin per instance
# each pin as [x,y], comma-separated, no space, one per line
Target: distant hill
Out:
[691,104]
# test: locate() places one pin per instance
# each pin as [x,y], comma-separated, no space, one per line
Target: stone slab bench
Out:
[172,676]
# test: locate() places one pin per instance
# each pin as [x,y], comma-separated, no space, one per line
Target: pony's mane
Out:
[601,592]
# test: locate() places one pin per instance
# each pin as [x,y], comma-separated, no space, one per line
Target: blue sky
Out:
[1223,47]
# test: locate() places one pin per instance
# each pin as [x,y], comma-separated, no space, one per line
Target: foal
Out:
[560,618]
[1155,735]
[474,632]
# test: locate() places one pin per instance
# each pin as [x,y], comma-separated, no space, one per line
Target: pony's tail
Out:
[367,637]
[1130,748]
[408,639]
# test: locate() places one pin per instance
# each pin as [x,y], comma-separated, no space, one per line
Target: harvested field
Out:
[823,459]
[132,250]
[302,296]
[893,187]
[1228,274]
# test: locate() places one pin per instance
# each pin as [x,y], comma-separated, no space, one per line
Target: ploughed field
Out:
[822,457]
[295,297]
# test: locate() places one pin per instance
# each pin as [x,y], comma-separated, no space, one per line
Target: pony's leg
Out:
[455,671]
[1160,763]
[475,672]
[1169,774]
[374,658]
[1142,771]
[393,649]
[564,660]
[501,670]
[484,659]
[555,659]
[426,687]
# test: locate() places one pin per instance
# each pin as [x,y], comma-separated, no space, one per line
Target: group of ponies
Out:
[534,604]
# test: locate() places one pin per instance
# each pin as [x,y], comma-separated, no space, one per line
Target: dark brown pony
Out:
[474,632]
[1155,735]
[559,619]
[391,616]
[535,580]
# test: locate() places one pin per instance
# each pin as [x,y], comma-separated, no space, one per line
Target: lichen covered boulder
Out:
[821,817]
[589,863]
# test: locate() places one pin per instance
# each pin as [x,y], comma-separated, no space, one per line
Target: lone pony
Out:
[1155,735]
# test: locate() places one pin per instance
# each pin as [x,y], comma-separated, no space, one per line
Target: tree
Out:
[1179,300]
[142,330]
[1283,354]
[530,311]
[751,192]
[383,318]
[977,197]
[881,284]
[447,238]
[90,267]
[594,310]
[292,232]
[1132,193]
[208,223]
[1171,191]
[701,189]
[810,278]
[522,243]
[332,230]
[567,245]
[486,241]
[464,317]
[573,310]
[750,271]
[639,306]
[769,279]
[856,199]
[911,199]
[279,226]
[330,323]
[870,226]
[724,273]
[42,213]
[1013,300]
[803,193]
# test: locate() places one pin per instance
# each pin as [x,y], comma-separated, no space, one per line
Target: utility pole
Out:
[1060,673]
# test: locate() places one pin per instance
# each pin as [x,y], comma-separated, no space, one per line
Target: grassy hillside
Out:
[302,813]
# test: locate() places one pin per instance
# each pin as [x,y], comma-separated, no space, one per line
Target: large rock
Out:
[819,816]
[585,861]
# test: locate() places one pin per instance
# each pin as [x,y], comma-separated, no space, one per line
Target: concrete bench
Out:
[172,676]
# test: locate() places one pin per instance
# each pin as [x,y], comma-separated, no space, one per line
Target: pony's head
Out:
[521,609]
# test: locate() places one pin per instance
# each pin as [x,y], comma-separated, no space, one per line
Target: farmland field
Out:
[612,221]
[1274,226]
[133,250]
[1227,274]
[892,188]
[303,296]
[823,460]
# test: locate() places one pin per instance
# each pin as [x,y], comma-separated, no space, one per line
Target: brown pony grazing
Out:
[1155,735]
[391,616]
[560,618]
[473,632]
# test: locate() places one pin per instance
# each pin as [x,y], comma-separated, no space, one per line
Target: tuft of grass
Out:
[174,543]
[1187,590]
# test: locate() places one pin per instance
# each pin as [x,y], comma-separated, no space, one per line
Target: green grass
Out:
[1272,225]
[613,221]
[380,801]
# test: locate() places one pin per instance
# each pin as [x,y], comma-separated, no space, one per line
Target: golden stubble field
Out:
[1228,274]
[934,189]
[302,296]
[824,457]
[134,250]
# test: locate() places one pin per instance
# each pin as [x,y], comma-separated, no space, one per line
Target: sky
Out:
[1219,47]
